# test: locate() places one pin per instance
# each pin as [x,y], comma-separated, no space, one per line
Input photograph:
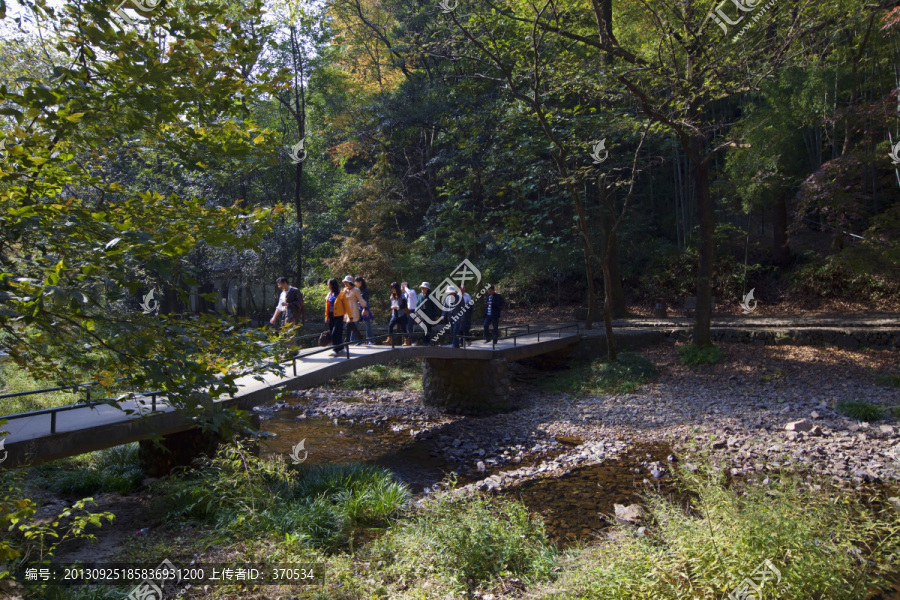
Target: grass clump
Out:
[395,375]
[465,543]
[694,355]
[823,546]
[111,470]
[625,375]
[890,380]
[861,411]
[324,506]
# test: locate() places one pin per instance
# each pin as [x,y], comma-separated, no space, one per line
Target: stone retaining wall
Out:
[462,386]
[594,341]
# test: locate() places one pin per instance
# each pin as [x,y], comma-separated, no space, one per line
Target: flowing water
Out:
[345,443]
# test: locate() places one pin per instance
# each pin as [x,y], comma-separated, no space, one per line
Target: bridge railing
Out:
[74,389]
[342,347]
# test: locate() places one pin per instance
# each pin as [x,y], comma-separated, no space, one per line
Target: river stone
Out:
[801,425]
[629,514]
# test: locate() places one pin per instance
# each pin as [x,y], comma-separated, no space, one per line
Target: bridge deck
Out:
[93,428]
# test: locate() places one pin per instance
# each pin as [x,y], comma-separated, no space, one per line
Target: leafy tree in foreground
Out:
[76,246]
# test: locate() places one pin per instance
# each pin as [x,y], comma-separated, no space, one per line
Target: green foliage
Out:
[625,375]
[111,470]
[668,273]
[861,411]
[825,544]
[838,276]
[693,355]
[468,541]
[320,506]
[29,541]
[314,302]
[86,233]
[395,375]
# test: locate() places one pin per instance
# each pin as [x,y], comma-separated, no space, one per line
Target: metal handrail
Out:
[153,395]
[73,388]
[87,404]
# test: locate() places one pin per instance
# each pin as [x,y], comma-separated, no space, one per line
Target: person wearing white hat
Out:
[429,310]
[453,308]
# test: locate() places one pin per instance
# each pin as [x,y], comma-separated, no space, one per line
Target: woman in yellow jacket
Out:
[348,305]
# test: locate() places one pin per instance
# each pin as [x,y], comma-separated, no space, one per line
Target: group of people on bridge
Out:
[349,305]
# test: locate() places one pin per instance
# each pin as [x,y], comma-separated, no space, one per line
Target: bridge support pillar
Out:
[181,449]
[466,386]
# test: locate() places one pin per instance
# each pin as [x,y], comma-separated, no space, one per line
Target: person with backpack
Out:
[290,304]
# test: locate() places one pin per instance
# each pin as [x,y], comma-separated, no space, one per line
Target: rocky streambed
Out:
[760,410]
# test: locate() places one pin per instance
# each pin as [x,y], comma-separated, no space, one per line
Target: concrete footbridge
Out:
[469,380]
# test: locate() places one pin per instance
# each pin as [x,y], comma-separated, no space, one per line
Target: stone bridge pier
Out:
[180,449]
[466,386]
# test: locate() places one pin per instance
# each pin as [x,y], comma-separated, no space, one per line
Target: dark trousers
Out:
[399,323]
[353,333]
[429,329]
[456,332]
[411,327]
[337,330]
[488,321]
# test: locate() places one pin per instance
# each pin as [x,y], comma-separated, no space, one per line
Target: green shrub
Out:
[468,541]
[824,546]
[625,375]
[395,375]
[695,355]
[861,411]
[323,506]
[111,470]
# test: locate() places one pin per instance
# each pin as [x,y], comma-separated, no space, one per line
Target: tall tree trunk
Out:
[612,277]
[611,354]
[781,250]
[700,176]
